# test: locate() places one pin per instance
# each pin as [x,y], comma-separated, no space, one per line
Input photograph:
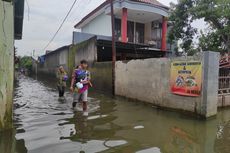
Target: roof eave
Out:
[80,24]
[91,13]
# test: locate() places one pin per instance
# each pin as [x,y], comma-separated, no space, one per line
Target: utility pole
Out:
[113,48]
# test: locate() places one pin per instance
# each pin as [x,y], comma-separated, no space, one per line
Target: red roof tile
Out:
[154,2]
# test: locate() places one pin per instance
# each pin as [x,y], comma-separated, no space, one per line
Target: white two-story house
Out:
[141,22]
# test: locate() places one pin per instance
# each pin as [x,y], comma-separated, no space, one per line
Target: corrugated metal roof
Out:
[58,50]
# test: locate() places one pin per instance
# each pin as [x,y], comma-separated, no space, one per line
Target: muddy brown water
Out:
[44,124]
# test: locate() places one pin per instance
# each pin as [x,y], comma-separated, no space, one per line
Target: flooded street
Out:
[45,124]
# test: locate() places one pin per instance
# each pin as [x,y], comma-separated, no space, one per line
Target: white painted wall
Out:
[63,57]
[101,25]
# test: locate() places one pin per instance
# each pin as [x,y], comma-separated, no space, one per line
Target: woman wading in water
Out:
[61,79]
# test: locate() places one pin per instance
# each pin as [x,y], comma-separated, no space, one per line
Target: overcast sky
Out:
[43,17]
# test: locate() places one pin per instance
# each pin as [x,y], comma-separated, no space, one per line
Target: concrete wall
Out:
[6,63]
[101,73]
[53,60]
[86,50]
[69,57]
[149,81]
[101,25]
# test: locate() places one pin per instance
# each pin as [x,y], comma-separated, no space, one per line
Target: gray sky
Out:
[45,17]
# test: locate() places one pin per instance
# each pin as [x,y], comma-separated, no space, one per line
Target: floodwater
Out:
[44,124]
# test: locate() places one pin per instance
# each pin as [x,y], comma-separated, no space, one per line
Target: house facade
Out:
[49,63]
[11,17]
[136,22]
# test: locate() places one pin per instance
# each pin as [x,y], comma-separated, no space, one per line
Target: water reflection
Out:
[182,141]
[9,143]
[223,138]
[94,133]
[45,124]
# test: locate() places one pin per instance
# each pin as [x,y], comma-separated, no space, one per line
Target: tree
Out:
[210,41]
[216,14]
[181,21]
[26,62]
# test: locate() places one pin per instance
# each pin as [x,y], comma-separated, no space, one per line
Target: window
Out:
[117,29]
[140,33]
[130,31]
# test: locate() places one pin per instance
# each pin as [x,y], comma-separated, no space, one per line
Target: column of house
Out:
[164,34]
[124,28]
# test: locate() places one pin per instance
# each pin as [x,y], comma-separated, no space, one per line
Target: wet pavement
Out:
[45,124]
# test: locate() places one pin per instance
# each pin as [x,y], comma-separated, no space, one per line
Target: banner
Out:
[186,78]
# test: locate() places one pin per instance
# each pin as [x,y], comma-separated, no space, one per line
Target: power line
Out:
[80,13]
[60,25]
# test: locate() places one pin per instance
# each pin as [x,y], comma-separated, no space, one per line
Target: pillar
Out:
[210,81]
[124,25]
[164,34]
